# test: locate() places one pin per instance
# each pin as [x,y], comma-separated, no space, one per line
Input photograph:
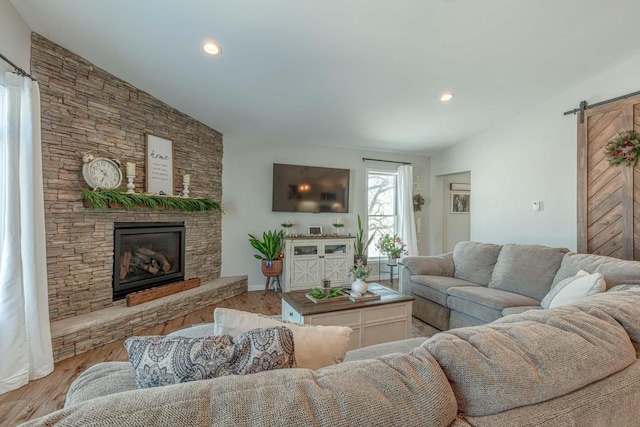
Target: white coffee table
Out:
[373,322]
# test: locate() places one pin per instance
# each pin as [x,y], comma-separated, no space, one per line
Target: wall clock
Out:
[101,173]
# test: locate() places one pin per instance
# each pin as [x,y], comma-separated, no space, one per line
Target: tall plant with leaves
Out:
[359,245]
[271,245]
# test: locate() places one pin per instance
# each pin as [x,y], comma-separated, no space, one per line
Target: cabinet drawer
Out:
[385,332]
[384,312]
[339,318]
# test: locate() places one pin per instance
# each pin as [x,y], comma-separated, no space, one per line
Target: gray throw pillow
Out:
[160,360]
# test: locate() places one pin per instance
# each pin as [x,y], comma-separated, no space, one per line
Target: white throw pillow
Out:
[558,287]
[315,346]
[583,286]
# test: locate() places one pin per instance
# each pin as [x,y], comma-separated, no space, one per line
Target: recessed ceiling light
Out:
[212,48]
[446,97]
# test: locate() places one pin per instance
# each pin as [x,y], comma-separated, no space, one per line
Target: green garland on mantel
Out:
[102,199]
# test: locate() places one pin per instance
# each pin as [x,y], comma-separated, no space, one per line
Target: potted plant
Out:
[270,249]
[360,253]
[392,246]
[360,273]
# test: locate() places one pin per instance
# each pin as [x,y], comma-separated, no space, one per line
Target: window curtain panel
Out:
[25,334]
[406,222]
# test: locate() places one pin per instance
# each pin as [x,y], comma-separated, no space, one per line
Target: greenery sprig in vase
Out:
[360,273]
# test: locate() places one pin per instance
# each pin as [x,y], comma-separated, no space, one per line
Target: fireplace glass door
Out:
[147,255]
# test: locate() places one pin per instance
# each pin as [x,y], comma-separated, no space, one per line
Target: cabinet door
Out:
[306,265]
[337,261]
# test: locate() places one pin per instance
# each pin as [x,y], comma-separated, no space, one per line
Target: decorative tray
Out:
[343,296]
[365,297]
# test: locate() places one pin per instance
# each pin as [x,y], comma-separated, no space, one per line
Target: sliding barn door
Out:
[608,196]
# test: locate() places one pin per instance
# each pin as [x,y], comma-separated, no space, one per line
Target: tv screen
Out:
[310,189]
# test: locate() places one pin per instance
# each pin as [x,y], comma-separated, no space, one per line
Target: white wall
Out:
[531,157]
[246,181]
[15,37]
[455,227]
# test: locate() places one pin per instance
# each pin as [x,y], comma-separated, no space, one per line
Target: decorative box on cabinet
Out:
[309,260]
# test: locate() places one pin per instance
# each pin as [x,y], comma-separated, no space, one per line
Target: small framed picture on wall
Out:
[460,203]
[315,229]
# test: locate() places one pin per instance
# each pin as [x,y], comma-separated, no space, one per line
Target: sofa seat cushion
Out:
[406,391]
[435,288]
[474,261]
[521,309]
[524,359]
[527,269]
[485,303]
[615,271]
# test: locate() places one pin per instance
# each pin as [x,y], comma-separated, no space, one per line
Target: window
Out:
[381,206]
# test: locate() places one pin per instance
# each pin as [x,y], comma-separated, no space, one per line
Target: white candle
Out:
[339,221]
[131,169]
[186,179]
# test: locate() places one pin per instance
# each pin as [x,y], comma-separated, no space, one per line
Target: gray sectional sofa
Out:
[478,283]
[575,365]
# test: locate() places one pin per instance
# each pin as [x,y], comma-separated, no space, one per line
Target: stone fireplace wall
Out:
[85,109]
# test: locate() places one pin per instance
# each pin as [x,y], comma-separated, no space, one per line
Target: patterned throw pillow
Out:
[159,360]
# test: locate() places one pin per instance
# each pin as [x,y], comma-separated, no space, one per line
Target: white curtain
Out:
[406,222]
[25,335]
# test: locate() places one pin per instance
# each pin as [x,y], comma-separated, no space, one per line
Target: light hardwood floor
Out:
[48,394]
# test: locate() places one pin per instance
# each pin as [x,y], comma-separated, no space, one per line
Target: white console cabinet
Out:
[309,260]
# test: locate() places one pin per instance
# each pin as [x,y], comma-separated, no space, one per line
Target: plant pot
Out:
[362,258]
[272,268]
[392,261]
[359,286]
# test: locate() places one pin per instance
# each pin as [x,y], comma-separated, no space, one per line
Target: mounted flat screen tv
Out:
[310,189]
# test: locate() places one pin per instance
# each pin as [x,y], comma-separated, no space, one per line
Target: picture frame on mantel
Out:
[159,165]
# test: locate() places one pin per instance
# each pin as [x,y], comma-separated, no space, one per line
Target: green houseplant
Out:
[360,246]
[270,252]
[392,246]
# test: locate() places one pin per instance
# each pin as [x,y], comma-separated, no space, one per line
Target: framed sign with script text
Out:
[159,165]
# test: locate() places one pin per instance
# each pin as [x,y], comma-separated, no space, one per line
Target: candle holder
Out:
[185,190]
[130,184]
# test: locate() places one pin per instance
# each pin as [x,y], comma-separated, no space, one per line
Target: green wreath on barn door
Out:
[625,149]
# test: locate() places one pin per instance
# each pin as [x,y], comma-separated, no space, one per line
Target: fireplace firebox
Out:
[147,254]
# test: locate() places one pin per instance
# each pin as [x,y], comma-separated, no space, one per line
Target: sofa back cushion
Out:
[474,261]
[527,269]
[615,271]
[529,358]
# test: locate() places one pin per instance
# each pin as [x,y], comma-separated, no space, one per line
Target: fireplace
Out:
[147,254]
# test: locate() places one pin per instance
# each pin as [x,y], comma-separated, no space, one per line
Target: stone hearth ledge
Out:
[78,334]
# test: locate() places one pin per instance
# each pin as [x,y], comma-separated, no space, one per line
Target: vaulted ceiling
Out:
[354,73]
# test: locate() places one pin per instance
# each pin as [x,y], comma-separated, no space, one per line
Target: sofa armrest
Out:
[441,265]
